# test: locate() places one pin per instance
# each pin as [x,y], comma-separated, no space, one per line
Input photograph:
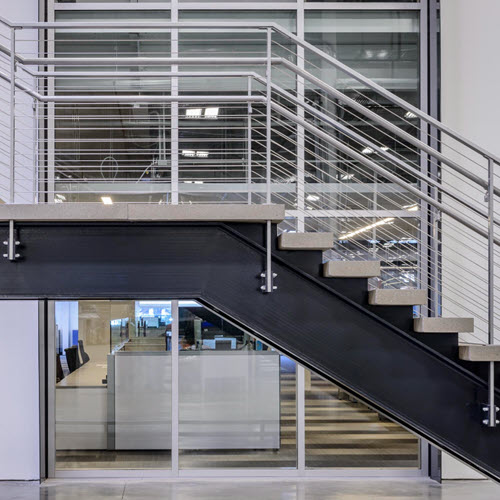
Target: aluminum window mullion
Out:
[174,346]
[363,6]
[174,111]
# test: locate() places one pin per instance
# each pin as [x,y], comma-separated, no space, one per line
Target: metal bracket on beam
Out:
[265,287]
[12,243]
[490,422]
[268,276]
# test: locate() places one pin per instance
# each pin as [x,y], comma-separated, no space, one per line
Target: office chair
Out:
[85,357]
[59,369]
[72,358]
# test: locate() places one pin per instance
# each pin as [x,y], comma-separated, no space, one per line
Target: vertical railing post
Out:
[12,115]
[268,118]
[492,418]
[249,144]
[269,272]
[174,118]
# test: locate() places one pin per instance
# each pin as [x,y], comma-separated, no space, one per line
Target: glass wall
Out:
[237,398]
[113,385]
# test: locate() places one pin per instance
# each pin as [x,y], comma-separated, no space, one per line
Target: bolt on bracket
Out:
[11,243]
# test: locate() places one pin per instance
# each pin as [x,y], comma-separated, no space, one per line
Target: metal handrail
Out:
[158,61]
[278,29]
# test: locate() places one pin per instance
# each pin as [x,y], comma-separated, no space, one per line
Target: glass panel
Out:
[362,1]
[113,384]
[237,397]
[119,151]
[287,18]
[341,432]
[213,160]
[394,242]
[112,15]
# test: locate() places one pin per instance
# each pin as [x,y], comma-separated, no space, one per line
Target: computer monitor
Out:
[223,344]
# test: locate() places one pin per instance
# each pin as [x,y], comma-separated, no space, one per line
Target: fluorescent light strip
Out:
[387,220]
[107,200]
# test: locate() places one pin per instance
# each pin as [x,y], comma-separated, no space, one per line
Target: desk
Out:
[81,409]
[227,400]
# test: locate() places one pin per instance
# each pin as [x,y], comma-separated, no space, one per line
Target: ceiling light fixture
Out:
[346,177]
[202,154]
[212,113]
[188,152]
[411,208]
[367,151]
[410,115]
[107,200]
[194,112]
[312,197]
[387,220]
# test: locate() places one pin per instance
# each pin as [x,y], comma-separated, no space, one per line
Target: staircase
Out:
[370,290]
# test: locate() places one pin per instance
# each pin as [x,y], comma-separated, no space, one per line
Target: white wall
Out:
[471,105]
[19,410]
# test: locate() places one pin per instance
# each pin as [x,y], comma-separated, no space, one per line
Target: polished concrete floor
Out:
[250,489]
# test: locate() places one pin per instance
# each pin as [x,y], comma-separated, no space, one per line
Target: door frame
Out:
[48,469]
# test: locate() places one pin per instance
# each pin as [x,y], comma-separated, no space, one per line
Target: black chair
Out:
[59,369]
[72,358]
[85,357]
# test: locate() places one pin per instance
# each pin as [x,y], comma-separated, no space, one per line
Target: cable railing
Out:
[250,113]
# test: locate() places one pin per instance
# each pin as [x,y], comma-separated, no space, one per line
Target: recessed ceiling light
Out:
[194,112]
[384,148]
[107,200]
[367,151]
[312,197]
[410,115]
[211,113]
[202,154]
[188,152]
[346,177]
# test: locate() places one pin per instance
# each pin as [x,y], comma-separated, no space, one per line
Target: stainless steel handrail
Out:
[264,26]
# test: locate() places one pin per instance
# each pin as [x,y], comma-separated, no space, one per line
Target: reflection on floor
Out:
[339,433]
[250,489]
[344,433]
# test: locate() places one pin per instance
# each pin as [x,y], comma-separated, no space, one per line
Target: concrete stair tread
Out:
[443,325]
[478,352]
[141,212]
[351,269]
[395,297]
[305,241]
